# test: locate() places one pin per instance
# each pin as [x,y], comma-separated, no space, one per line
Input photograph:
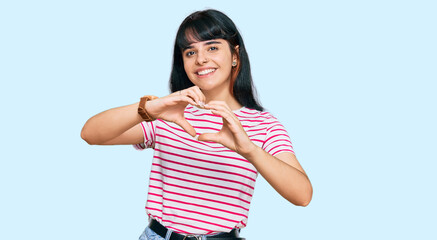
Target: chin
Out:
[204,85]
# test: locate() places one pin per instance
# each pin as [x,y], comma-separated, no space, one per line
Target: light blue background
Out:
[354,82]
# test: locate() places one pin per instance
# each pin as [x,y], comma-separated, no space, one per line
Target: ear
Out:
[237,49]
[236,54]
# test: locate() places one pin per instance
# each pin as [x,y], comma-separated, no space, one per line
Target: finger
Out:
[177,93]
[200,94]
[219,107]
[184,124]
[194,94]
[209,137]
[187,99]
[230,121]
[200,97]
[222,111]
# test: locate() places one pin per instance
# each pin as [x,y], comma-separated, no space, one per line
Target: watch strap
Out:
[142,111]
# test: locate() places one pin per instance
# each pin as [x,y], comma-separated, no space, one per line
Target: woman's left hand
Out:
[283,172]
[232,134]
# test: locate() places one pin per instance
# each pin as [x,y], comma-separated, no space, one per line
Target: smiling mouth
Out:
[206,71]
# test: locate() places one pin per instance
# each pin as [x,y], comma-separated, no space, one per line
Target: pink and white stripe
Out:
[203,187]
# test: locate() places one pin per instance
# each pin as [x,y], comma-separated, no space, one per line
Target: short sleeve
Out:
[277,139]
[149,136]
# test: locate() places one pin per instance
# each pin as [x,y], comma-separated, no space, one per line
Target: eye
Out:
[213,48]
[189,53]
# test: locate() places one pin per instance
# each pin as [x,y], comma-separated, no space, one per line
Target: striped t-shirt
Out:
[203,187]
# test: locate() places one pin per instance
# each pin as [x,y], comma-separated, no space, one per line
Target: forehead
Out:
[193,43]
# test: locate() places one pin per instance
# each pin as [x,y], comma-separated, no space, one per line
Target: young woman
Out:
[210,137]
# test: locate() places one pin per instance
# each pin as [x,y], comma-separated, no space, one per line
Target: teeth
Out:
[204,72]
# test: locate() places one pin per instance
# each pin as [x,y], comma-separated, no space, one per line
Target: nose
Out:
[201,58]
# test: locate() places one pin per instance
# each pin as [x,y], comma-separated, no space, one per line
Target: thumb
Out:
[183,123]
[209,137]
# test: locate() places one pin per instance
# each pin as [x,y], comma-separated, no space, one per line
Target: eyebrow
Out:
[207,43]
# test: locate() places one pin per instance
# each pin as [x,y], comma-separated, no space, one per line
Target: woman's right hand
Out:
[121,125]
[171,107]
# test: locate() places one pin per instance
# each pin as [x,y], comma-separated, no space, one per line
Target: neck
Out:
[224,96]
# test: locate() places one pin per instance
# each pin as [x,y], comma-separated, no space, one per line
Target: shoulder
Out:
[262,120]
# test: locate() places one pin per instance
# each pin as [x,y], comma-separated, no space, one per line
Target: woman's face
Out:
[208,64]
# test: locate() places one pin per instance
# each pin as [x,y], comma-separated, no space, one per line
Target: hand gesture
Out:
[232,135]
[171,108]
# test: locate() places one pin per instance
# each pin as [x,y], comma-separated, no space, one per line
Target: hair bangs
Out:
[198,30]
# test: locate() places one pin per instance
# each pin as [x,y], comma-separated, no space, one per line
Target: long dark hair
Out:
[207,25]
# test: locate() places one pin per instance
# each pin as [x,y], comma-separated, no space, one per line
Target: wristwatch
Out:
[142,111]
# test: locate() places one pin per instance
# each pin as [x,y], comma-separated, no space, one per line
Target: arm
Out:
[114,126]
[282,171]
[122,125]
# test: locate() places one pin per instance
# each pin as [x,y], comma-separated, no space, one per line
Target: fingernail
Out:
[202,104]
